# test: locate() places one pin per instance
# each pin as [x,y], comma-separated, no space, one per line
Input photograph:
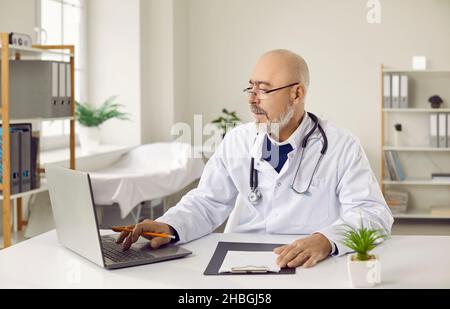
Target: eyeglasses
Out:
[263,94]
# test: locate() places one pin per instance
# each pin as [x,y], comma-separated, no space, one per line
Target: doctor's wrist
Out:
[174,233]
[328,243]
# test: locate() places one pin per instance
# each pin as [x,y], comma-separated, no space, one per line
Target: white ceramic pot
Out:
[364,274]
[89,138]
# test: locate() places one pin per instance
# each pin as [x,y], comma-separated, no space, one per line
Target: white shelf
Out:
[23,194]
[30,51]
[39,119]
[415,71]
[421,149]
[424,182]
[416,110]
[419,215]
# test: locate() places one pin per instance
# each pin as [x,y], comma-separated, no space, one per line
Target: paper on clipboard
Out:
[249,261]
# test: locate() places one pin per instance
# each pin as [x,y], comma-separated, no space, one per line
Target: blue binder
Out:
[20,157]
[14,140]
[25,155]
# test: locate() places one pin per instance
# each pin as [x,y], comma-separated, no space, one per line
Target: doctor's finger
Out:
[280,249]
[283,253]
[157,242]
[127,243]
[147,226]
[285,250]
[290,255]
[299,259]
[137,231]
[313,260]
[124,235]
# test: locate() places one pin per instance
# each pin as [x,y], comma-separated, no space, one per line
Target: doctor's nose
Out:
[252,98]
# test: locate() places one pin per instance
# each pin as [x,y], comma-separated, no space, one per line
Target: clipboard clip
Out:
[249,269]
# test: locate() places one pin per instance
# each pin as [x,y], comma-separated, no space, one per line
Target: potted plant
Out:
[90,118]
[226,121]
[363,267]
[436,101]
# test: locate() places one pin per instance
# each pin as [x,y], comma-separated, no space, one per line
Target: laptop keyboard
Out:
[114,251]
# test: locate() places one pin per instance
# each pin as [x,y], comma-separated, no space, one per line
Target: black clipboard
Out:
[223,247]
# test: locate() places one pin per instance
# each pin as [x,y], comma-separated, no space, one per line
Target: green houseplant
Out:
[90,118]
[363,267]
[226,120]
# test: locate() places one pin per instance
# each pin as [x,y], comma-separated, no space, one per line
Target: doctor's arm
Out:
[200,211]
[360,200]
[205,208]
[360,197]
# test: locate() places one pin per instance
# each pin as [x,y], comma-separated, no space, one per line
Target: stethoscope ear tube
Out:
[252,171]
[304,191]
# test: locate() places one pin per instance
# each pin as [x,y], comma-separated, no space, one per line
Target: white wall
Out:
[344,53]
[165,67]
[181,53]
[114,61]
[157,70]
[18,16]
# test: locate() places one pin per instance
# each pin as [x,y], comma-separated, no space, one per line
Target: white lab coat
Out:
[343,190]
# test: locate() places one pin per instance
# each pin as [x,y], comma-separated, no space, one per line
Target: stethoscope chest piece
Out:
[254,196]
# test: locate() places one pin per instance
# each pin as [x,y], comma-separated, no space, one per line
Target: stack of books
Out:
[397,201]
[393,166]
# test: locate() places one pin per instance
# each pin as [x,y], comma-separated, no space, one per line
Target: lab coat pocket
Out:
[311,208]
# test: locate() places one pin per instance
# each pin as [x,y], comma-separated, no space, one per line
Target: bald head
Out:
[283,66]
[282,80]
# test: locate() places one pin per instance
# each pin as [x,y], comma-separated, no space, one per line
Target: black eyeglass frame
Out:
[247,90]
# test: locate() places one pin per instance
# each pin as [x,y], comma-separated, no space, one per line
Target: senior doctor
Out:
[308,177]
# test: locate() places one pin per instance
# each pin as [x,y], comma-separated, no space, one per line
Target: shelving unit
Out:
[425,191]
[37,51]
[417,183]
[391,70]
[420,215]
[415,110]
[417,149]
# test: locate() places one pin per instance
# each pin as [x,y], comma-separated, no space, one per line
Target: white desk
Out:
[407,262]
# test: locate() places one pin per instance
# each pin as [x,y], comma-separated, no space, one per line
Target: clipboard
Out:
[223,247]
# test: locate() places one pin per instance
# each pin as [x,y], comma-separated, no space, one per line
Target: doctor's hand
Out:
[128,238]
[307,251]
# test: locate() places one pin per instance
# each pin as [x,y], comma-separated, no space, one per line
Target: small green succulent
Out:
[362,240]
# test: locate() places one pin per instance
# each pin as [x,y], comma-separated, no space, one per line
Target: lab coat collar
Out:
[295,139]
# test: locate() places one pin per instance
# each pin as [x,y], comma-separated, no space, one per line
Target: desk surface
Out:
[406,262]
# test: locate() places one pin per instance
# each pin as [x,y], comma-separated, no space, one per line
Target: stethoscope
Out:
[255,195]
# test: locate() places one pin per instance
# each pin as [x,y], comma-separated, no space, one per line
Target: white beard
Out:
[276,126]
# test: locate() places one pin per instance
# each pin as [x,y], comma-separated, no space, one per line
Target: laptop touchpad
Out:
[160,252]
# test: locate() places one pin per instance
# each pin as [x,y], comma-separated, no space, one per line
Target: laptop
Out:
[77,226]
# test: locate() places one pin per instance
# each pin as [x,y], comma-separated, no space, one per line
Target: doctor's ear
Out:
[299,94]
